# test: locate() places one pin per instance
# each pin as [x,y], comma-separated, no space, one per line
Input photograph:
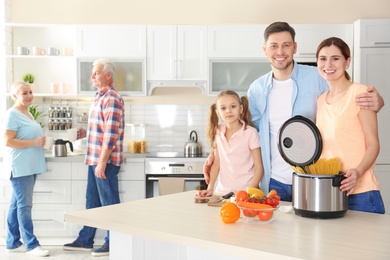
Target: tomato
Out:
[250,212]
[265,215]
[241,195]
[272,194]
[229,213]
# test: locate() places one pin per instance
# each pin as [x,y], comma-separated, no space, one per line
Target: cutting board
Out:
[217,204]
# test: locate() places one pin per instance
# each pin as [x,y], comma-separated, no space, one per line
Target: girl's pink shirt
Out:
[343,135]
[236,161]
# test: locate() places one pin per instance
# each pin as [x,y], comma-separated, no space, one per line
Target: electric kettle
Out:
[59,148]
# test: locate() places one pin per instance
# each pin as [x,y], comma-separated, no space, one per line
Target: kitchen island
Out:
[174,227]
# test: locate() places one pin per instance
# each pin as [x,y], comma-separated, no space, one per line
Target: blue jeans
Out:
[19,220]
[370,201]
[283,190]
[100,192]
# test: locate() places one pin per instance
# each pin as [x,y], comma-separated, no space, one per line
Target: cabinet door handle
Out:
[43,192]
[180,69]
[42,220]
[381,43]
[175,69]
[186,179]
[307,53]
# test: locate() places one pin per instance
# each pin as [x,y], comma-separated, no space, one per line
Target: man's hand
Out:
[207,167]
[100,171]
[370,100]
[81,133]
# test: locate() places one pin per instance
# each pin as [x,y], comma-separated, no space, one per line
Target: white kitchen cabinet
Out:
[51,200]
[46,69]
[176,55]
[309,36]
[120,41]
[383,173]
[372,32]
[131,181]
[235,41]
[372,67]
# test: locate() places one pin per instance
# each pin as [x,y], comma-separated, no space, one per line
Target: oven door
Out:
[191,182]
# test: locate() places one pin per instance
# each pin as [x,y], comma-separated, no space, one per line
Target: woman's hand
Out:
[350,181]
[40,141]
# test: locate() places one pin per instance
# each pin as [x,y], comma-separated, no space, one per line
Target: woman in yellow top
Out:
[348,132]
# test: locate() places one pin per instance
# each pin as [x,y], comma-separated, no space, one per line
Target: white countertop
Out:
[177,219]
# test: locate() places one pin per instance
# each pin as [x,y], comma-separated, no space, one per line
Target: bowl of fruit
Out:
[256,207]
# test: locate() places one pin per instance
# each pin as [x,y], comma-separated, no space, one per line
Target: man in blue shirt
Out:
[289,89]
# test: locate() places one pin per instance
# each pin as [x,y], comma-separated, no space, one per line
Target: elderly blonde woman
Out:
[23,160]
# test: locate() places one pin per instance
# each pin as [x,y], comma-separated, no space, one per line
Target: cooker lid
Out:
[299,141]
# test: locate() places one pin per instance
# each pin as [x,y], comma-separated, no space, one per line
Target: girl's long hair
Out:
[214,120]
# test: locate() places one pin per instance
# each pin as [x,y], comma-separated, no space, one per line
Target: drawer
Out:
[129,171]
[79,171]
[132,171]
[128,190]
[5,191]
[57,171]
[48,221]
[47,191]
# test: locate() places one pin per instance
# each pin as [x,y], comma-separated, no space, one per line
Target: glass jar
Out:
[51,111]
[56,125]
[84,117]
[68,112]
[68,123]
[50,124]
[135,136]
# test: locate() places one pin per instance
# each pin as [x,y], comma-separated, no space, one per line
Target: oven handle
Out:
[186,179]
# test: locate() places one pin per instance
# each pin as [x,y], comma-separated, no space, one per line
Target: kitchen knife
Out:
[226,196]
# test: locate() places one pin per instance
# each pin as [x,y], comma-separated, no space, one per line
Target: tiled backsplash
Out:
[167,126]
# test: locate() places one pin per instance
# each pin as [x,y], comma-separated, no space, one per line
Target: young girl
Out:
[348,132]
[236,146]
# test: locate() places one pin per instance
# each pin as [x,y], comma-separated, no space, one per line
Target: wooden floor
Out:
[56,253]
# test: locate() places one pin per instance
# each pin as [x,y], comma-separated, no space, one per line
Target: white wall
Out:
[197,11]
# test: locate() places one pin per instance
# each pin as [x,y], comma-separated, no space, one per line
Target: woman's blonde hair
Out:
[213,117]
[16,86]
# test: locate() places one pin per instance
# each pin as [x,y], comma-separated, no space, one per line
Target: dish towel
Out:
[170,185]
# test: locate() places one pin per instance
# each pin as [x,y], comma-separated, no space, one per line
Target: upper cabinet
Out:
[372,33]
[309,36]
[176,55]
[122,41]
[236,41]
[46,51]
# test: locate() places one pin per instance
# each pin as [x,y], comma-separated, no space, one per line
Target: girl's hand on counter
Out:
[204,193]
[40,141]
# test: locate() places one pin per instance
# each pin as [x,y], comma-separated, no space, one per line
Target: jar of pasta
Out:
[135,138]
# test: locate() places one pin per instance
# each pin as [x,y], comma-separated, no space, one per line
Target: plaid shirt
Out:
[106,127]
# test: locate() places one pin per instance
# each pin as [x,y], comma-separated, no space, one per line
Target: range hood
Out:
[201,84]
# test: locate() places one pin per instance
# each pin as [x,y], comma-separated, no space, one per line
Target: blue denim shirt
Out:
[308,85]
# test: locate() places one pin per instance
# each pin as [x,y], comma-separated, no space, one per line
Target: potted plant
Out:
[29,78]
[37,115]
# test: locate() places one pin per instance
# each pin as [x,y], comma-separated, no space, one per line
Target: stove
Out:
[173,165]
[172,155]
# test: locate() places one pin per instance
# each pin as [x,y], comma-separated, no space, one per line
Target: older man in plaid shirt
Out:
[104,151]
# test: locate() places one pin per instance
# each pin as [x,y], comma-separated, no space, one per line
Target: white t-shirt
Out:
[280,110]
